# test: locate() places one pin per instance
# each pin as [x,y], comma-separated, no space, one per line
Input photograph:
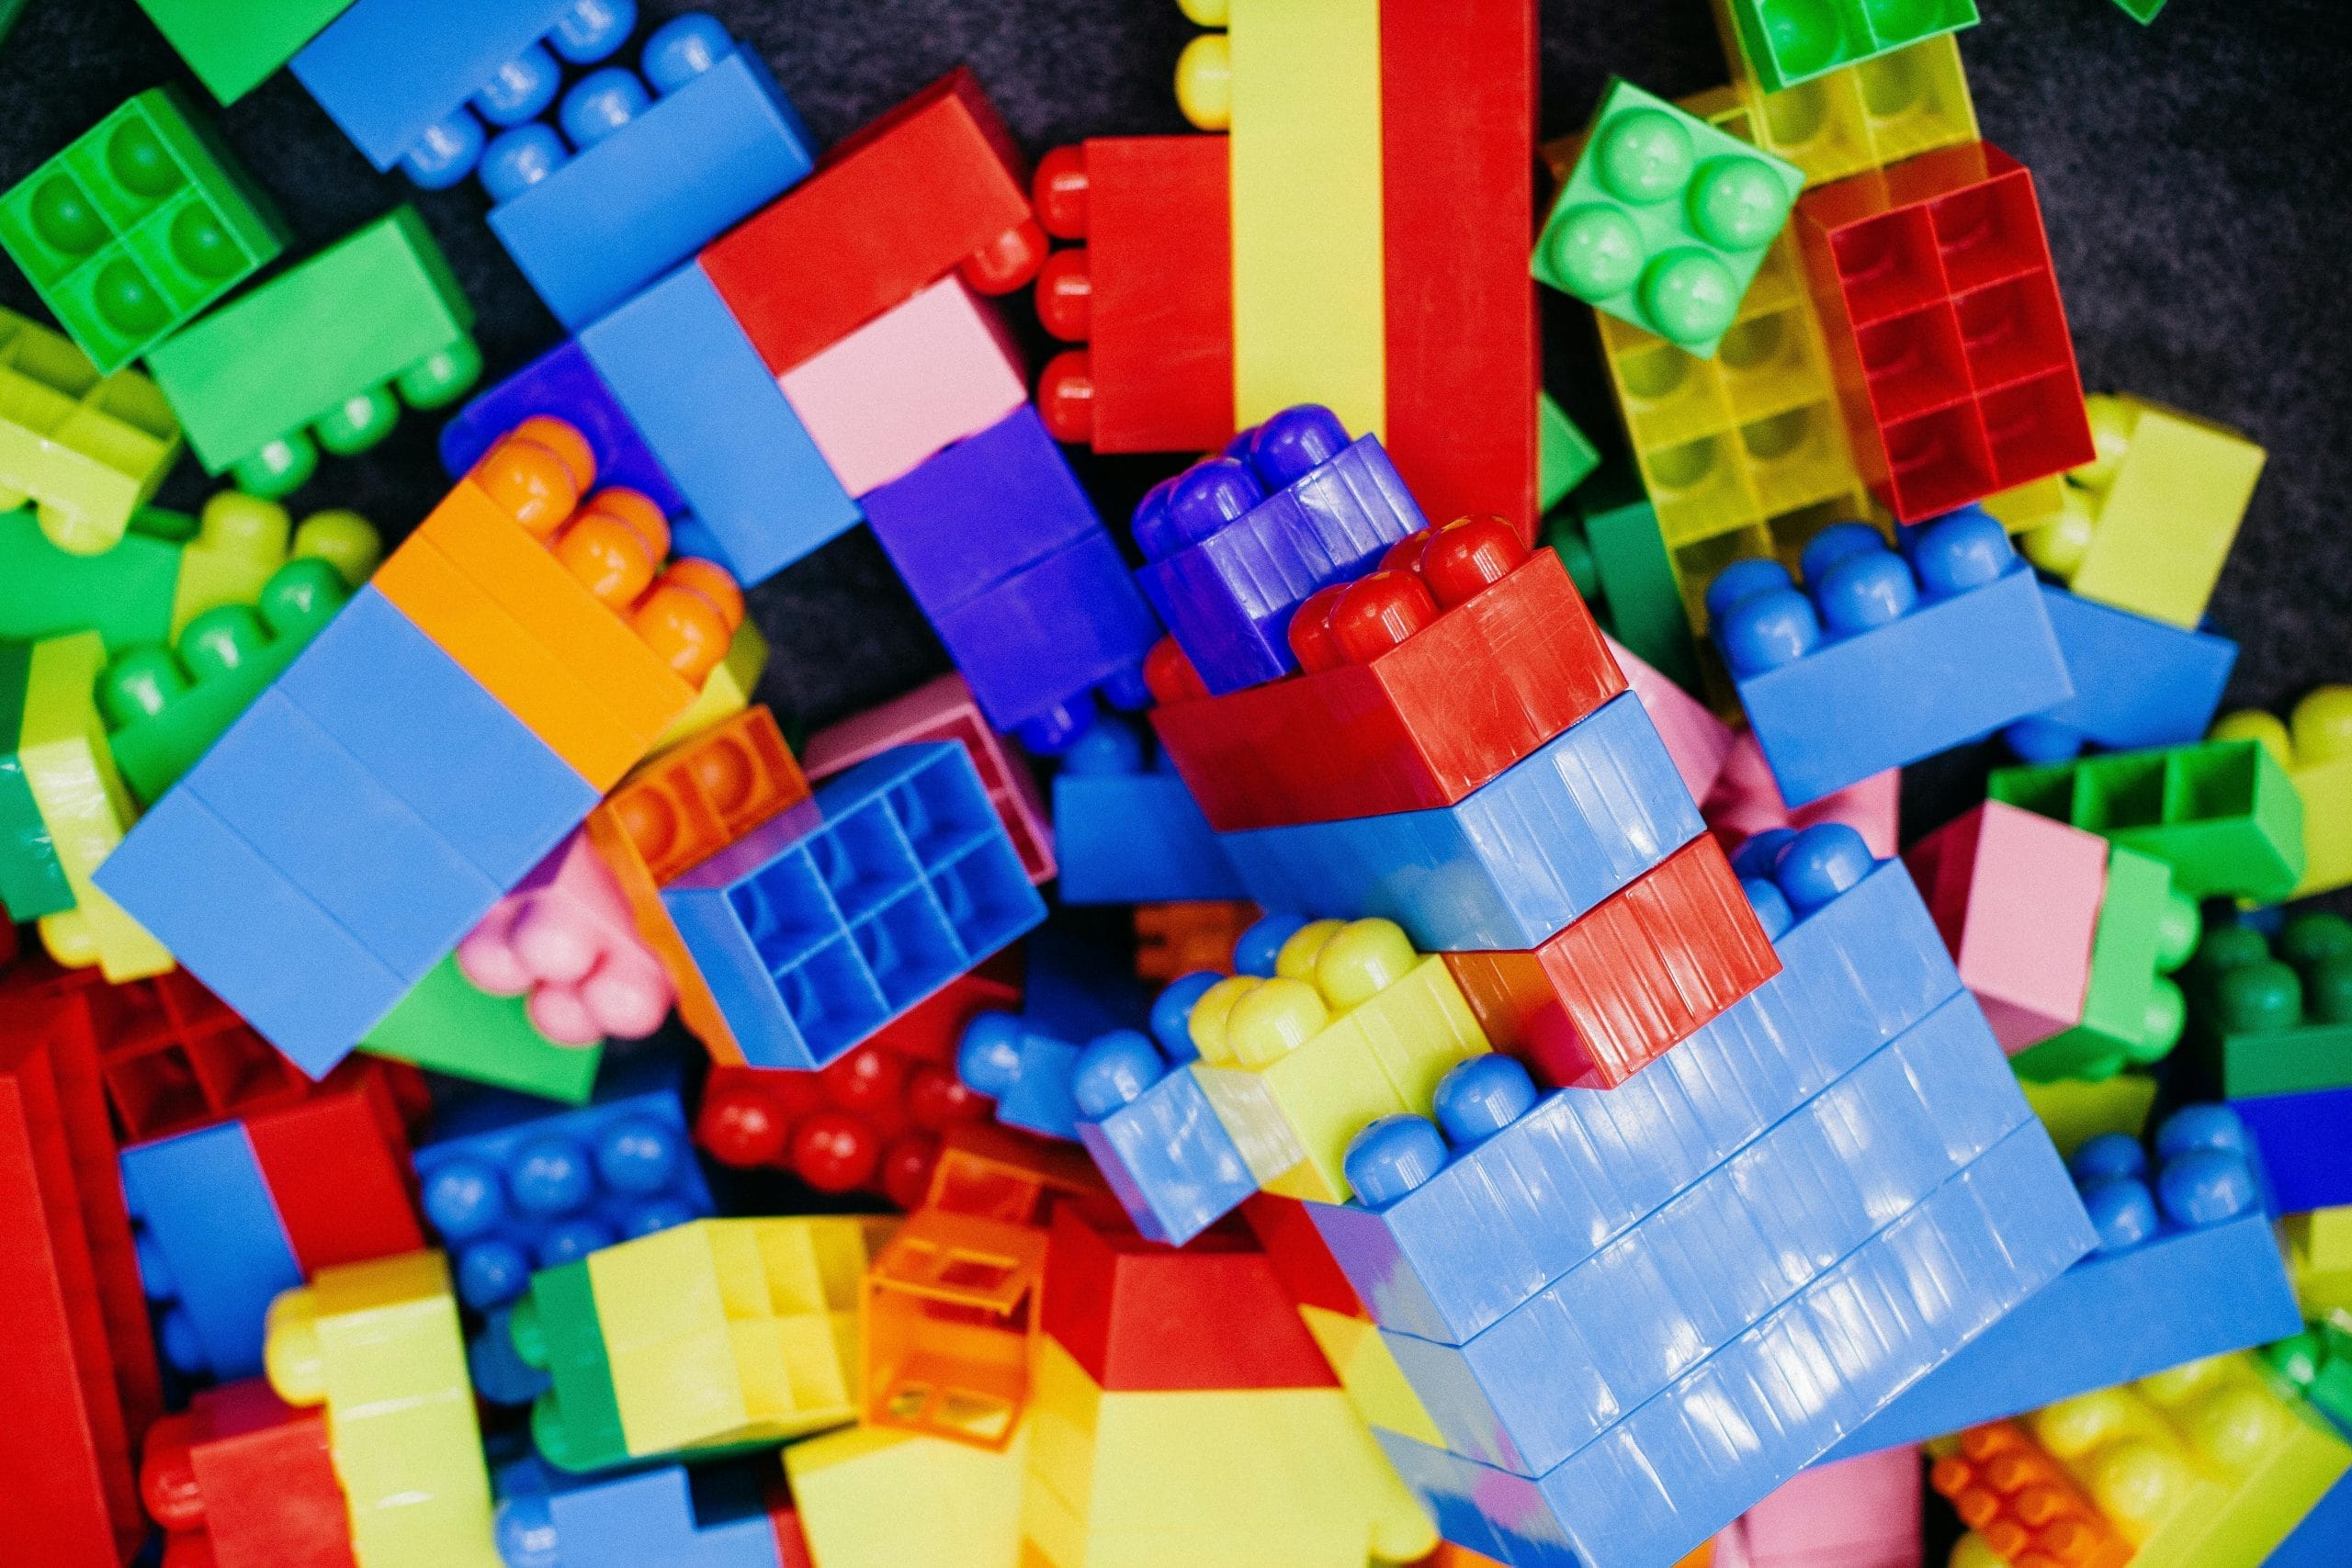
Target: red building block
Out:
[1301,1258]
[935,185]
[1136,1315]
[1150,293]
[1457,129]
[1420,683]
[242,1480]
[1945,328]
[1614,991]
[82,1382]
[1188,937]
[337,1167]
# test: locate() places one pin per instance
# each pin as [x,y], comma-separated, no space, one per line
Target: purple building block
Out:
[561,383]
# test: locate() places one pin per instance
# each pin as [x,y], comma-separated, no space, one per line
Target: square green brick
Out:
[2132,1014]
[137,227]
[234,45]
[1788,41]
[1564,458]
[2275,1016]
[1665,219]
[445,1024]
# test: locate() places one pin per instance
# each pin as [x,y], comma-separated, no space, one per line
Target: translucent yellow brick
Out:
[853,1489]
[2314,745]
[1376,1384]
[727,692]
[2074,1112]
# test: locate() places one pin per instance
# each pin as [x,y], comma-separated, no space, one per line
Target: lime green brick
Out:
[139,225]
[1564,458]
[2076,1111]
[88,450]
[2132,1014]
[124,595]
[2275,1017]
[1636,574]
[32,881]
[2223,815]
[234,45]
[1788,41]
[322,356]
[445,1024]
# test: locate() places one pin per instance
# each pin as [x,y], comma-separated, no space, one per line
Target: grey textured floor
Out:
[2194,174]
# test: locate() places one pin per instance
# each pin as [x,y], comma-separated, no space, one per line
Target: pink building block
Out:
[1857,1513]
[1695,738]
[564,936]
[943,710]
[2017,898]
[1745,801]
[909,382]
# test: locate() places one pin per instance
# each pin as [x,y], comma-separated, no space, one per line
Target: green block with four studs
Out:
[1788,41]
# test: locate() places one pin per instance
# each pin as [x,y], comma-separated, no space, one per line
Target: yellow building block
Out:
[2319,1260]
[88,450]
[63,750]
[2075,1111]
[1056,1536]
[732,1331]
[1353,1025]
[378,1343]
[2314,745]
[2208,1465]
[241,540]
[1300,84]
[1367,1370]
[876,1497]
[727,693]
[2147,524]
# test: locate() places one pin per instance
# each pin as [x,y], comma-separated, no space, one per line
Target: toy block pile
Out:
[1402,1013]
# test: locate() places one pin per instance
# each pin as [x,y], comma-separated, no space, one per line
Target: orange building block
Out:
[2027,1508]
[1185,939]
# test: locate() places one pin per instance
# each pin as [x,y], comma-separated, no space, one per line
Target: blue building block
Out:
[649,185]
[511,1184]
[1686,1462]
[1509,865]
[812,938]
[2137,682]
[1038,645]
[2325,1538]
[1153,1133]
[664,1518]
[694,386]
[1023,1069]
[1861,966]
[210,1244]
[2301,1139]
[2186,1267]
[497,1369]
[1077,987]
[1126,830]
[1233,544]
[1883,661]
[562,382]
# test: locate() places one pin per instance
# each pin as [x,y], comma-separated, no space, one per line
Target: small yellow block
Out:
[857,1492]
[2314,745]
[1367,1370]
[241,540]
[727,692]
[88,450]
[2075,1111]
[2319,1260]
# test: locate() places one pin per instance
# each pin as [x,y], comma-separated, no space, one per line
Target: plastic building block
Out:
[944,708]
[1178,939]
[87,451]
[1945,328]
[1607,996]
[2320,766]
[1235,543]
[2319,1260]
[2274,1017]
[512,1185]
[713,1517]
[2315,1362]
[1882,110]
[1746,801]
[2185,1268]
[377,1344]
[1863,1512]
[1129,831]
[2137,682]
[2145,524]
[2301,1139]
[1665,219]
[249,1476]
[2017,898]
[83,1382]
[819,927]
[1366,1369]
[32,883]
[1633,577]
[2224,814]
[650,177]
[69,773]
[259,399]
[448,1025]
[1789,44]
[2325,1534]
[916,379]
[1156,1136]
[934,185]
[238,542]
[1835,679]
[215,1254]
[137,226]
[2190,1496]
[1565,458]
[232,53]
[125,594]
[564,938]
[564,383]
[1024,1069]
[1128,1310]
[1149,294]
[2132,1015]
[2022,1505]
[726,692]
[850,1488]
[1524,856]
[2077,1110]
[1423,681]
[337,1167]
[686,373]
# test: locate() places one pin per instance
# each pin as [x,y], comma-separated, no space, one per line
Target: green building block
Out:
[2223,815]
[1636,575]
[2318,1362]
[139,225]
[2141,11]
[1788,41]
[321,351]
[164,708]
[1564,458]
[87,451]
[124,595]
[32,881]
[1665,219]
[577,1423]
[2132,1014]
[445,1024]
[234,45]
[2275,1019]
